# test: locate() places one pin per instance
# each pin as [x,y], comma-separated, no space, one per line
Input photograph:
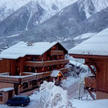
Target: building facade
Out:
[26,65]
[95,53]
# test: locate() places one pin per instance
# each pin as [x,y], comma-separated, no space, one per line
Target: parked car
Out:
[18,101]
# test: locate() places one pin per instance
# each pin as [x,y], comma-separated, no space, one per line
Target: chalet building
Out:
[25,65]
[95,53]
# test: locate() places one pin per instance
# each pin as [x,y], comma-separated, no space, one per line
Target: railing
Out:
[90,82]
[27,76]
[8,79]
[45,63]
[57,52]
[20,79]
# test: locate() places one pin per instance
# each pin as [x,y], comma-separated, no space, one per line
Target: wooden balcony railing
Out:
[45,63]
[16,79]
[26,76]
[21,79]
[90,82]
[57,52]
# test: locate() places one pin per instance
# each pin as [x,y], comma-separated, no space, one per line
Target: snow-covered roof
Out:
[55,73]
[97,45]
[21,49]
[6,89]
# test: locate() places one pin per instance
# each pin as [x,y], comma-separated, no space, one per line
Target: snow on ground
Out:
[51,96]
[71,80]
[75,86]
[90,104]
[76,104]
[74,83]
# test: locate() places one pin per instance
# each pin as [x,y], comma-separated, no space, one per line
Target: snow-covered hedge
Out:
[51,96]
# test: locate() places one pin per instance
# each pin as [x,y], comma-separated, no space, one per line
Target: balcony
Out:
[45,63]
[27,76]
[90,82]
[57,52]
[16,79]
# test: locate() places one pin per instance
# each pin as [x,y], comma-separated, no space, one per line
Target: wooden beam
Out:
[90,92]
[89,56]
[21,66]
[92,70]
[13,67]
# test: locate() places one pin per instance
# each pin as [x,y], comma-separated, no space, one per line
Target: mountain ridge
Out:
[63,26]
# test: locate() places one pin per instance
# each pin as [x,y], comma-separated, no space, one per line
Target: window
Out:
[50,68]
[25,85]
[34,82]
[1,96]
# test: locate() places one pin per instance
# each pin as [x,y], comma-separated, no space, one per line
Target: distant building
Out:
[95,53]
[25,65]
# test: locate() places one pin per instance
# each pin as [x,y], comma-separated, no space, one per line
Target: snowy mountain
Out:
[7,7]
[54,20]
[92,6]
[31,14]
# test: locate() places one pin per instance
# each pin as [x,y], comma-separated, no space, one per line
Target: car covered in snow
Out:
[18,101]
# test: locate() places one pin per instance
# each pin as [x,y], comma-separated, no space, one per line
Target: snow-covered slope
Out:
[92,6]
[53,6]
[13,4]
[7,7]
[31,12]
[50,8]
